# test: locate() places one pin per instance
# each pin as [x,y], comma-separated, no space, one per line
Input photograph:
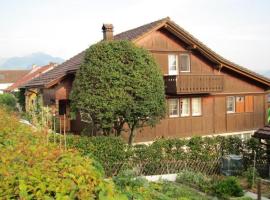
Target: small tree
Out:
[119,83]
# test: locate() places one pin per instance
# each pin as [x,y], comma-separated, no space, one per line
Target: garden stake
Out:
[60,132]
[54,131]
[259,189]
[65,139]
[254,165]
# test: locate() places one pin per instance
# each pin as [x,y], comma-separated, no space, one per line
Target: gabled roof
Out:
[137,33]
[11,76]
[34,73]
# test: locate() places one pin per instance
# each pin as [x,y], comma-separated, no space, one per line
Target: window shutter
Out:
[240,104]
[249,103]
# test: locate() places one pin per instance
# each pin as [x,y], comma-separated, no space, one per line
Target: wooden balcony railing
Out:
[187,84]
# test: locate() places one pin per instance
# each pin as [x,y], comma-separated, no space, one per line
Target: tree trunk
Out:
[131,135]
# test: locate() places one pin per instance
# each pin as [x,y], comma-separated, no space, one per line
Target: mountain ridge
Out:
[26,62]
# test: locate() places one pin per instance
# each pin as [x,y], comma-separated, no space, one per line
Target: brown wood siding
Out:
[215,118]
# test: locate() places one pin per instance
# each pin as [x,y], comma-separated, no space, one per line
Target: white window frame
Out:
[180,67]
[188,106]
[170,108]
[234,104]
[200,106]
[176,71]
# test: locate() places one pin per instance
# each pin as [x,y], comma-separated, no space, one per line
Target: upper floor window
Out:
[196,106]
[173,64]
[231,104]
[173,108]
[184,107]
[184,63]
[268,98]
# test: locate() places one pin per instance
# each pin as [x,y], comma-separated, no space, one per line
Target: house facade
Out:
[205,93]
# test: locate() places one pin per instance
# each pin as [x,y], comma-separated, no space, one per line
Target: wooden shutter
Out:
[240,104]
[249,103]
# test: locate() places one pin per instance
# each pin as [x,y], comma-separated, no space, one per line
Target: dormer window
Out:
[184,63]
[173,64]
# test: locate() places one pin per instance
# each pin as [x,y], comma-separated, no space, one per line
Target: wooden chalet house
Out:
[205,93]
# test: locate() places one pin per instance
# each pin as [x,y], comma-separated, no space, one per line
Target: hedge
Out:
[112,151]
[32,169]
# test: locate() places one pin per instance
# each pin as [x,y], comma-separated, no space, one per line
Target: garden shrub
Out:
[8,101]
[249,174]
[32,169]
[195,179]
[227,187]
[112,152]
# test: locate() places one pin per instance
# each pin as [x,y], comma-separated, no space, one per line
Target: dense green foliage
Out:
[8,101]
[222,187]
[20,95]
[117,84]
[227,187]
[139,188]
[32,169]
[194,179]
[112,151]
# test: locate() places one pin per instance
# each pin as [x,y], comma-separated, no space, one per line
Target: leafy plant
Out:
[251,175]
[227,187]
[119,84]
[31,169]
[8,101]
[195,179]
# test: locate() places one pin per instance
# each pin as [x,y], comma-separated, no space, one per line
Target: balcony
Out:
[189,84]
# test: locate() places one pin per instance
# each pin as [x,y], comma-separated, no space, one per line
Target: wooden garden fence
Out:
[146,168]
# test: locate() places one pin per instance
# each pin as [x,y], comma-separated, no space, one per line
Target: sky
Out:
[239,30]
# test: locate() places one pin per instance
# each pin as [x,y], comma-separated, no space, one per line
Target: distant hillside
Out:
[26,62]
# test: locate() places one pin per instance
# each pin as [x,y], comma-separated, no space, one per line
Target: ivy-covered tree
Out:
[119,84]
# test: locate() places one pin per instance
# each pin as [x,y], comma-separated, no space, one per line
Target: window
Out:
[184,63]
[173,64]
[230,104]
[196,106]
[240,104]
[62,107]
[173,108]
[184,107]
[268,98]
[249,103]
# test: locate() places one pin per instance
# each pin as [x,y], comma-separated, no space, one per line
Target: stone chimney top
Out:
[107,31]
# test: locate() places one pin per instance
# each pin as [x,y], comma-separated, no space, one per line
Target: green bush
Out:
[251,175]
[227,187]
[195,179]
[8,101]
[32,169]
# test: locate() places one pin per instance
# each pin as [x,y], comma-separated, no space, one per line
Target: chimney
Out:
[34,66]
[107,31]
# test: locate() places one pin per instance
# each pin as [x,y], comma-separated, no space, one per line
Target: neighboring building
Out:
[206,94]
[34,73]
[8,77]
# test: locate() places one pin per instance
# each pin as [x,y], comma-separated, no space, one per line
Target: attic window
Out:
[184,63]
